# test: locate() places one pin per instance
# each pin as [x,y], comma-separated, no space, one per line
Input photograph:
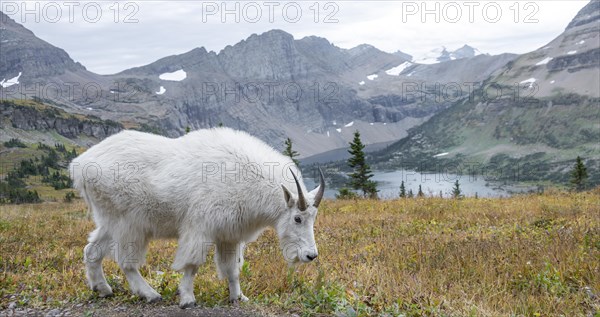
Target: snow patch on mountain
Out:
[396,71]
[161,91]
[174,76]
[349,124]
[13,81]
[544,61]
[372,77]
[529,81]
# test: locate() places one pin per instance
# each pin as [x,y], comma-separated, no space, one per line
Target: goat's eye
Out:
[297,219]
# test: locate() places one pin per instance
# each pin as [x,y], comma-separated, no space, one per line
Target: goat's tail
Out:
[85,196]
[79,185]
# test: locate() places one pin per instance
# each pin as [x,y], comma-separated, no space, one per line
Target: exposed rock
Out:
[589,14]
[23,52]
[47,118]
[575,62]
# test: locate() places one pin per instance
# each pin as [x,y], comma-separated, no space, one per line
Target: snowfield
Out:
[174,76]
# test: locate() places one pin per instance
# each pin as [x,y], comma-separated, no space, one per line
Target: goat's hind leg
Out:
[94,252]
[131,255]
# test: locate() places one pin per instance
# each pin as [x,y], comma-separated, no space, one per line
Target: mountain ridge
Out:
[217,88]
[545,114]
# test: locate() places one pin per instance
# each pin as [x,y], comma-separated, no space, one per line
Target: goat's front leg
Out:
[229,259]
[186,287]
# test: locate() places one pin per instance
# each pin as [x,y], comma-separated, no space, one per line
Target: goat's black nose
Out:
[311,257]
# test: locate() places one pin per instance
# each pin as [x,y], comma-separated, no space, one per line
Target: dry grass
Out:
[521,256]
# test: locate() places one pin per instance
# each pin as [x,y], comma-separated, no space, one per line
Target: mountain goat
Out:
[216,187]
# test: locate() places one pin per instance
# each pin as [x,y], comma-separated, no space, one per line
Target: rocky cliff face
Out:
[31,115]
[575,62]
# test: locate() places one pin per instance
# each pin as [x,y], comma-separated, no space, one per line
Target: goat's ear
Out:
[287,195]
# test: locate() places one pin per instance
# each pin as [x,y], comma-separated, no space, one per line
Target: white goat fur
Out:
[203,189]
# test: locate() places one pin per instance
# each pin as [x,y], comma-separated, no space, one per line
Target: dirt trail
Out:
[127,310]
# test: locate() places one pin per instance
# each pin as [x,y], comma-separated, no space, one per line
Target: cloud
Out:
[129,34]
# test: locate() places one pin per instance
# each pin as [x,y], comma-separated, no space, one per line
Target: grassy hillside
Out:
[531,255]
[537,138]
[34,172]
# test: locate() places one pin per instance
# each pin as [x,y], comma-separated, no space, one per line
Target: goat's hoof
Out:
[186,305]
[236,302]
[153,299]
[103,290]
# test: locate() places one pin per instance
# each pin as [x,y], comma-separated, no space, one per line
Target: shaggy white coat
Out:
[216,187]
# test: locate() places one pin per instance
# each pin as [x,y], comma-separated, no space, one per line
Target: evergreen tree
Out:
[187,129]
[410,193]
[579,175]
[360,179]
[14,143]
[69,156]
[346,193]
[289,152]
[420,193]
[69,196]
[402,190]
[456,192]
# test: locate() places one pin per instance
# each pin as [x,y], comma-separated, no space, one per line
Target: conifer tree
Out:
[360,179]
[402,190]
[289,152]
[420,192]
[456,192]
[579,175]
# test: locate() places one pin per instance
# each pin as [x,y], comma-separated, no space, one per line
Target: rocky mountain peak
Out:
[442,54]
[588,14]
[23,52]
[7,23]
[362,49]
[268,37]
[315,41]
[465,51]
[406,56]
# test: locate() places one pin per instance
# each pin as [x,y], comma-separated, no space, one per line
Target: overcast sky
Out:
[110,36]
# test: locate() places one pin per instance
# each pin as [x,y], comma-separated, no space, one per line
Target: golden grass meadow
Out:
[530,255]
